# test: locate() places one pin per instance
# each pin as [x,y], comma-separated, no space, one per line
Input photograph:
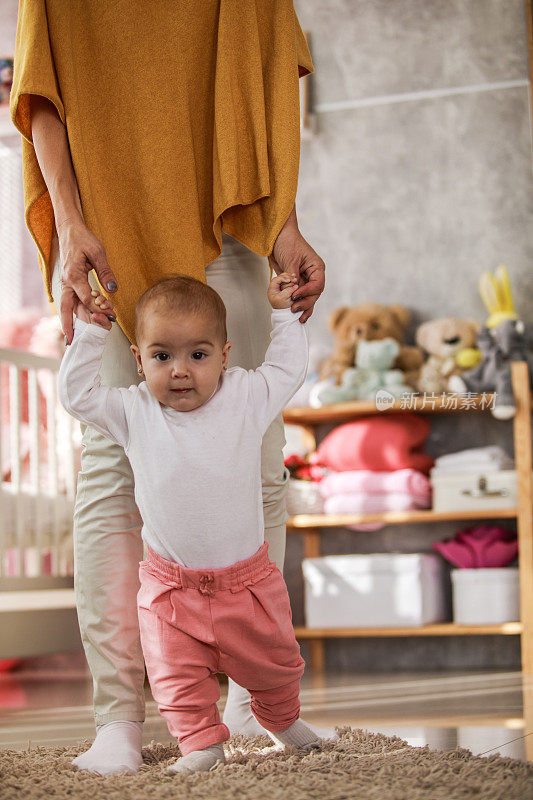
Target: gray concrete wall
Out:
[418,179]
[8,27]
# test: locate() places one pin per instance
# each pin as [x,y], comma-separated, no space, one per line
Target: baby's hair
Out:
[186,295]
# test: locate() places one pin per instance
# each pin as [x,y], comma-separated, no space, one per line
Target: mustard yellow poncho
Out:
[182,118]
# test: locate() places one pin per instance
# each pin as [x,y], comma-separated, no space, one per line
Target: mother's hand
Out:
[293,254]
[80,252]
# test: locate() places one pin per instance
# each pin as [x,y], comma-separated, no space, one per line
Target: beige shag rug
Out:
[359,765]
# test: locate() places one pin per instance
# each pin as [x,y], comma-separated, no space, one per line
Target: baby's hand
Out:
[281,289]
[106,305]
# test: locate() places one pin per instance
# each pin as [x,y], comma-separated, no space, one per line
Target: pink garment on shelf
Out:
[408,481]
[378,443]
[481,546]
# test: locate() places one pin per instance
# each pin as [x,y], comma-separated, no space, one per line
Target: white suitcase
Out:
[474,491]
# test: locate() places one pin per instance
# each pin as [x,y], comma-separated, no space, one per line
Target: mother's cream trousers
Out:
[107,524]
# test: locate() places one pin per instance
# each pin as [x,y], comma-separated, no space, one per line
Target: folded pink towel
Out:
[374,503]
[401,481]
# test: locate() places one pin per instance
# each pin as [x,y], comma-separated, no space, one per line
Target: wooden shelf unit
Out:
[310,526]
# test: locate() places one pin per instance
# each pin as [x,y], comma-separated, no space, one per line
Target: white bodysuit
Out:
[197,473]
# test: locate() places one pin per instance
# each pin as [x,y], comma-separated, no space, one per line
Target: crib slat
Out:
[14,458]
[35,462]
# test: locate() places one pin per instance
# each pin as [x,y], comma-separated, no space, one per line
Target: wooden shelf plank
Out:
[437,629]
[395,517]
[305,415]
[441,404]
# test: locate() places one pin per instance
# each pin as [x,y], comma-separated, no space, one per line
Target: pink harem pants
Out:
[195,623]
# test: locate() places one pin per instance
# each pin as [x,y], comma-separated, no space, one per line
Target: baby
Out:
[210,599]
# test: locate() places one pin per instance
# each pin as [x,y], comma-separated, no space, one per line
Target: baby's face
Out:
[181,358]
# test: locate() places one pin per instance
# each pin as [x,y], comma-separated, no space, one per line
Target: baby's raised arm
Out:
[81,392]
[285,366]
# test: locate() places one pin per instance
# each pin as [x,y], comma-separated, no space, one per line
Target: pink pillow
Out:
[379,443]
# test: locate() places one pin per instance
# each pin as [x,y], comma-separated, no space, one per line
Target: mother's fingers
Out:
[315,279]
[305,316]
[75,275]
[310,290]
[68,304]
[305,305]
[308,312]
[70,307]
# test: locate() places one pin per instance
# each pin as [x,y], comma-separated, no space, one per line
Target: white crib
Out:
[39,455]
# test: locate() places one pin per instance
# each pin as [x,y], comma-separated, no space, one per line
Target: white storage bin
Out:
[377,590]
[473,491]
[485,596]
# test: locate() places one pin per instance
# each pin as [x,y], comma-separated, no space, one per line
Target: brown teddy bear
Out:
[371,321]
[451,345]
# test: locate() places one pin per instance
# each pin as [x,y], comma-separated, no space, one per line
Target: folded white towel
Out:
[490,457]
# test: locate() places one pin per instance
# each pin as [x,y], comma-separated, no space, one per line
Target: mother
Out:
[155,146]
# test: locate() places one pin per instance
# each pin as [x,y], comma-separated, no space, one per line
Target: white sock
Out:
[199,760]
[237,712]
[239,718]
[299,735]
[117,748]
